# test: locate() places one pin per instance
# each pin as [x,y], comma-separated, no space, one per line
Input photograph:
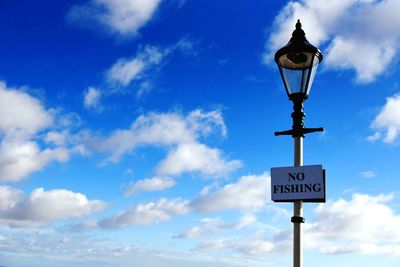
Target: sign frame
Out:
[281,175]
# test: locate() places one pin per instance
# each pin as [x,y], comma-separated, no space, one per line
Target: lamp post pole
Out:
[297,62]
[297,219]
[298,208]
[298,123]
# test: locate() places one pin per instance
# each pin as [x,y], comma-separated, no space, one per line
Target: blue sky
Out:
[140,133]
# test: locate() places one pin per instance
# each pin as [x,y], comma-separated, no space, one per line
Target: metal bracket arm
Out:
[300,132]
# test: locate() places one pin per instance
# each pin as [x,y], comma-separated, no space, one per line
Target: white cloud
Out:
[57,138]
[365,224]
[145,214]
[61,249]
[244,221]
[141,69]
[187,46]
[152,128]
[212,245]
[8,196]
[257,247]
[155,129]
[92,98]
[144,88]
[208,226]
[21,158]
[58,248]
[69,120]
[368,174]
[369,60]
[22,115]
[26,121]
[249,193]
[43,207]
[195,231]
[362,225]
[180,134]
[195,157]
[150,184]
[387,122]
[212,225]
[205,123]
[122,17]
[127,70]
[348,28]
[138,73]
[362,219]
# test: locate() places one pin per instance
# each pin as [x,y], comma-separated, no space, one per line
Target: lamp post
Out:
[298,62]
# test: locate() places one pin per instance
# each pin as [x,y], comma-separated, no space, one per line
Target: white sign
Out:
[305,183]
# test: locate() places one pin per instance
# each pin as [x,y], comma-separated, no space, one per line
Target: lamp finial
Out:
[298,24]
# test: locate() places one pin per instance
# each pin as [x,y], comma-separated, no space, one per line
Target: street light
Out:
[298,62]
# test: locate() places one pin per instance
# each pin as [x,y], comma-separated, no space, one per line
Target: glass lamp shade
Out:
[298,62]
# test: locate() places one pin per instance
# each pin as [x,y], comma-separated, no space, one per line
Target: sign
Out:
[306,183]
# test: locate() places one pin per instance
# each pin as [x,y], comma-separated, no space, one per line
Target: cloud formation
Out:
[214,225]
[365,224]
[24,122]
[248,194]
[145,214]
[19,158]
[127,70]
[362,225]
[57,248]
[256,247]
[176,132]
[192,157]
[348,29]
[150,184]
[43,207]
[368,174]
[127,73]
[138,73]
[92,97]
[22,115]
[387,123]
[119,17]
